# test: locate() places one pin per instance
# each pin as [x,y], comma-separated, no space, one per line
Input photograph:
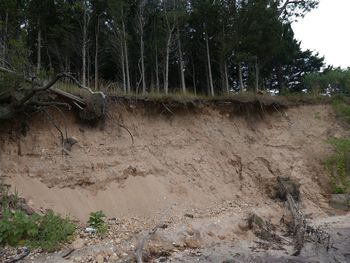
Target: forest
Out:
[207,47]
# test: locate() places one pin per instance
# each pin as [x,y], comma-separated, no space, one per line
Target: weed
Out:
[339,166]
[47,231]
[52,230]
[96,220]
[341,106]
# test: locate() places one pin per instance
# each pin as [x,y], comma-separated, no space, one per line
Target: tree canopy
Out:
[200,46]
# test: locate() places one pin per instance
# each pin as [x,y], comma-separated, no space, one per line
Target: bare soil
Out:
[201,171]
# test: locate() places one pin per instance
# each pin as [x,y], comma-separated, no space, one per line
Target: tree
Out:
[141,21]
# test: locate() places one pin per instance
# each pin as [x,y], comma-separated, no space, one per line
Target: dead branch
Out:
[53,82]
[50,119]
[132,137]
[167,108]
[301,229]
[142,242]
[70,251]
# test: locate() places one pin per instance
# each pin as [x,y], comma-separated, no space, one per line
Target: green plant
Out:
[338,165]
[341,108]
[46,232]
[16,227]
[96,220]
[52,230]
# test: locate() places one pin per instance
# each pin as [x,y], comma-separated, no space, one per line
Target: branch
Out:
[53,82]
[289,2]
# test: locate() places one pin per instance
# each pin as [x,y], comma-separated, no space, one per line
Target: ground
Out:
[199,171]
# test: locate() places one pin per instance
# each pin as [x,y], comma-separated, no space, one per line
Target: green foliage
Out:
[47,231]
[238,32]
[331,81]
[341,106]
[96,220]
[16,227]
[339,166]
[52,230]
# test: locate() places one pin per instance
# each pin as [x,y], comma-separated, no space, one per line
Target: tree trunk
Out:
[4,51]
[211,85]
[280,83]
[88,67]
[157,72]
[194,78]
[122,60]
[227,84]
[96,53]
[256,75]
[84,49]
[142,46]
[167,53]
[126,58]
[38,66]
[241,85]
[182,68]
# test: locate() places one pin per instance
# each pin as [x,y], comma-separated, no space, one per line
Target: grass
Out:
[341,106]
[339,163]
[46,231]
[339,166]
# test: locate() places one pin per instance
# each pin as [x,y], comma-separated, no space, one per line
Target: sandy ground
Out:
[210,164]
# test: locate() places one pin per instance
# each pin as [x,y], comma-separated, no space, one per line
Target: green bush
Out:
[52,230]
[47,231]
[339,166]
[332,81]
[96,220]
[341,106]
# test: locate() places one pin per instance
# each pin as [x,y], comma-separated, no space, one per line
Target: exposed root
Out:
[132,137]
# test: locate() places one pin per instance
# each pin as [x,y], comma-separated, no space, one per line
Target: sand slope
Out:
[192,159]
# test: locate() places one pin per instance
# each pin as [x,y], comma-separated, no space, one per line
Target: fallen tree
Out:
[32,96]
[23,97]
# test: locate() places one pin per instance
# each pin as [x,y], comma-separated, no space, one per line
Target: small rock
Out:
[78,243]
[99,259]
[189,215]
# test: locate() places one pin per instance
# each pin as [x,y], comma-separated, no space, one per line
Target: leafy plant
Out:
[46,232]
[52,230]
[96,220]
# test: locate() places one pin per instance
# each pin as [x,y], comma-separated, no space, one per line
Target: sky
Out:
[327,30]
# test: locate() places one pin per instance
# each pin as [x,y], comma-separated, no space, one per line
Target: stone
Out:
[78,243]
[99,259]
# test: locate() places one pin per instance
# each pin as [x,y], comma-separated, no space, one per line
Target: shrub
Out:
[339,166]
[47,231]
[341,108]
[96,220]
[52,230]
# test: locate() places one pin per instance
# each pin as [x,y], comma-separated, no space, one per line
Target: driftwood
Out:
[302,230]
[142,241]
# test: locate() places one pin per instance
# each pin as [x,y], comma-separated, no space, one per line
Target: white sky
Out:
[327,30]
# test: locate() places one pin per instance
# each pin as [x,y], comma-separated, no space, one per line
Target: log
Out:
[301,229]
